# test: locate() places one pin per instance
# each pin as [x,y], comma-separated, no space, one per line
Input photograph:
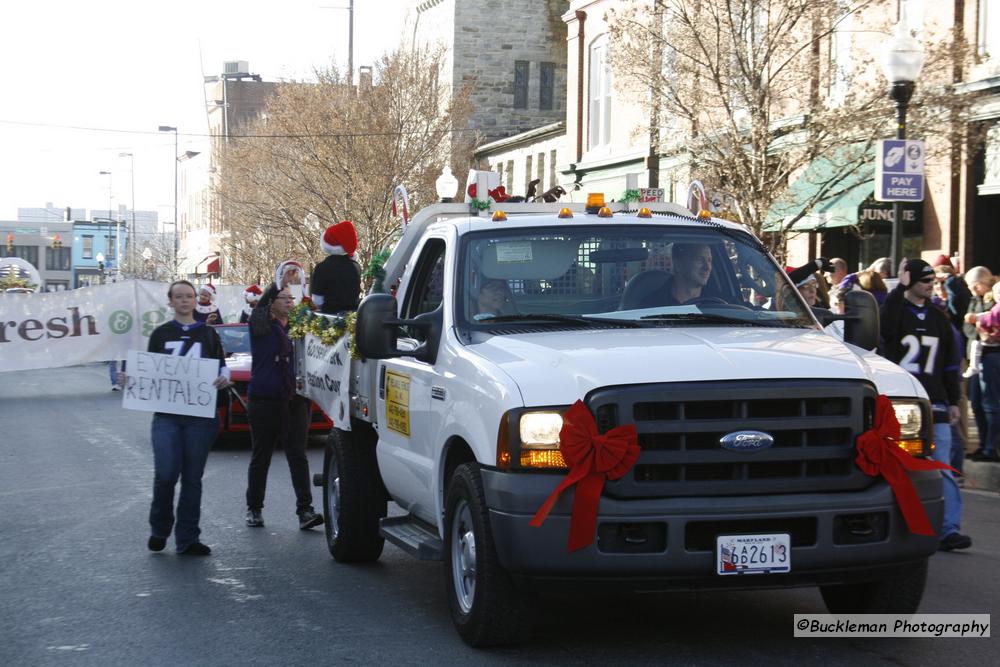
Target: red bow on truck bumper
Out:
[592,458]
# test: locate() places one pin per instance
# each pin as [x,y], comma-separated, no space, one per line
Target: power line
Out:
[332,135]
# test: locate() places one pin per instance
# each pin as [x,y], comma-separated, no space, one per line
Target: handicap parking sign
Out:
[899,170]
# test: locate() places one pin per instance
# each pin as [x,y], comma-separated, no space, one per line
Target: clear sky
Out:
[133,65]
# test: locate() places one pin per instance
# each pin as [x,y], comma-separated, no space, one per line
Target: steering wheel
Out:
[714,301]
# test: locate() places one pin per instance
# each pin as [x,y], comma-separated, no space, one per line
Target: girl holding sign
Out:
[181,442]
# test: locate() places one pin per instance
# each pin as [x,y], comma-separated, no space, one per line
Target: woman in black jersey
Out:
[181,442]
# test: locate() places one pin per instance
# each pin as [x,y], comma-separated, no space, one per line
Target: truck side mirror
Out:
[861,319]
[376,331]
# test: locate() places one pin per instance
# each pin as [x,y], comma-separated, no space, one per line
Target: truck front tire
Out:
[353,498]
[486,607]
[898,595]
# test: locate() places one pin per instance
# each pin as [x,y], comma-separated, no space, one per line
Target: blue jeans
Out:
[180,450]
[952,494]
[984,394]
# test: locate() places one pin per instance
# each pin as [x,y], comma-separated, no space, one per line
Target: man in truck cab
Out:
[692,268]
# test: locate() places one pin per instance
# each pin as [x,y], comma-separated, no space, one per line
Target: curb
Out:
[981,476]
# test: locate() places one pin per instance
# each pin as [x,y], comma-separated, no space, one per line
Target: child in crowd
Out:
[990,322]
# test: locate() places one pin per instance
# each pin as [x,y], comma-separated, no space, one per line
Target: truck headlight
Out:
[539,439]
[910,415]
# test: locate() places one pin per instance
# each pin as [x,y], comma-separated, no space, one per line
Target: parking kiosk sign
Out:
[899,170]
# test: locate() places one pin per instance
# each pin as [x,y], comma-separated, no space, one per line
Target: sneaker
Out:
[970,372]
[983,456]
[972,455]
[156,543]
[254,519]
[115,387]
[955,541]
[195,549]
[309,519]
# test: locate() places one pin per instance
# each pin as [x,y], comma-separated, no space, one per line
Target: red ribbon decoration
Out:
[878,454]
[592,459]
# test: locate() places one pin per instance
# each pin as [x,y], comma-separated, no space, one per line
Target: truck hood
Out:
[558,367]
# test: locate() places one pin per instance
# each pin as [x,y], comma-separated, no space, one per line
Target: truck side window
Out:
[427,289]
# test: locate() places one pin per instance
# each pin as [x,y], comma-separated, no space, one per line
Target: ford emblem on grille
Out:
[746,441]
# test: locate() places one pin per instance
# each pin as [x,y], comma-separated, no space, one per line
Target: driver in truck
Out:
[692,267]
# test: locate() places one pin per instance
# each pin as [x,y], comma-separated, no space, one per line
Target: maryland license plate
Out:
[753,554]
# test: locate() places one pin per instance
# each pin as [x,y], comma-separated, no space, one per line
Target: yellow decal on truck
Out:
[397,402]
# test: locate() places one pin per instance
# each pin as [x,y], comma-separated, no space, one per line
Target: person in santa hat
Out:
[336,281]
[252,296]
[205,310]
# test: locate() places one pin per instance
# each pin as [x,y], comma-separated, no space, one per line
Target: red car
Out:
[233,411]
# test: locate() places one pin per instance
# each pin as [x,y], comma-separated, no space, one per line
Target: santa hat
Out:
[284,268]
[252,294]
[340,239]
[209,289]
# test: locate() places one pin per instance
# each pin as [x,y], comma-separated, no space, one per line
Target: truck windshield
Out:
[655,275]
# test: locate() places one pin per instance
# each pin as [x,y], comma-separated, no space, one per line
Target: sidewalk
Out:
[981,475]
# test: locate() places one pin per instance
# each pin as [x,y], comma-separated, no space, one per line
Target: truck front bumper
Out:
[669,543]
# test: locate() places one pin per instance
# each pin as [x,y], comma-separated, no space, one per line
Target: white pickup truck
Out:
[681,325]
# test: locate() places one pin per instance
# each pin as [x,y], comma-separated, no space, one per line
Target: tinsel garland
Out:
[302,319]
[630,196]
[376,270]
[480,204]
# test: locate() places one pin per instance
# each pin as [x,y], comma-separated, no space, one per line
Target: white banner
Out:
[328,378]
[98,323]
[170,383]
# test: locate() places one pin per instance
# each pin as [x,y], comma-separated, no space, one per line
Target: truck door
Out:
[406,452]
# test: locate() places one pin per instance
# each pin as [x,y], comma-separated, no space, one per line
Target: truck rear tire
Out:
[353,498]
[898,595]
[486,607]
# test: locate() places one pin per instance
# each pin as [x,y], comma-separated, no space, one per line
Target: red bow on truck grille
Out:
[592,459]
[878,454]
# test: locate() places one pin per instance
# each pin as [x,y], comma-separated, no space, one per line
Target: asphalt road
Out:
[79,586]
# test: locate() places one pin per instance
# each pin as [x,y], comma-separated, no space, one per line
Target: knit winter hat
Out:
[918,269]
[340,239]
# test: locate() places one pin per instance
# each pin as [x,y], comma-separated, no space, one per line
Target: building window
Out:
[540,173]
[839,59]
[88,247]
[56,285]
[28,253]
[599,118]
[546,85]
[510,174]
[988,30]
[112,245]
[57,259]
[521,84]
[527,173]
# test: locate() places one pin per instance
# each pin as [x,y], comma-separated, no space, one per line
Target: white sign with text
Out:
[171,384]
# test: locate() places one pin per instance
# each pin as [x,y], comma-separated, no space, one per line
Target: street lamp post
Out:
[167,128]
[118,250]
[131,233]
[902,60]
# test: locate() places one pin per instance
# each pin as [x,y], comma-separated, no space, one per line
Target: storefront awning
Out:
[208,265]
[188,266]
[838,211]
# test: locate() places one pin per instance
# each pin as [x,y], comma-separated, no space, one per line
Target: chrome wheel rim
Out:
[333,497]
[463,557]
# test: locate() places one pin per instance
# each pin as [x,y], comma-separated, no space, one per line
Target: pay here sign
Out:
[899,170]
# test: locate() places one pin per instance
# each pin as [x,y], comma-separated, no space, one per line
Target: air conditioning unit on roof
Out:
[236,67]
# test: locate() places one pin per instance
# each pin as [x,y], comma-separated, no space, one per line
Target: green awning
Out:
[839,211]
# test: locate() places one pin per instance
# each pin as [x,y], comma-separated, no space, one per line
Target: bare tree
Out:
[328,151]
[750,93]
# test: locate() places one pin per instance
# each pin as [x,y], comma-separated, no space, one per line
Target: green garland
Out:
[480,204]
[376,270]
[302,320]
[630,196]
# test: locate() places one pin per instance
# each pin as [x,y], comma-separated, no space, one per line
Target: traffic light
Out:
[10,243]
[57,241]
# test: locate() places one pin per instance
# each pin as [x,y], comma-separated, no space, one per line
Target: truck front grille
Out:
[813,423]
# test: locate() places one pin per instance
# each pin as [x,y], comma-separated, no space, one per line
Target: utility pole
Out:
[350,37]
[167,128]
